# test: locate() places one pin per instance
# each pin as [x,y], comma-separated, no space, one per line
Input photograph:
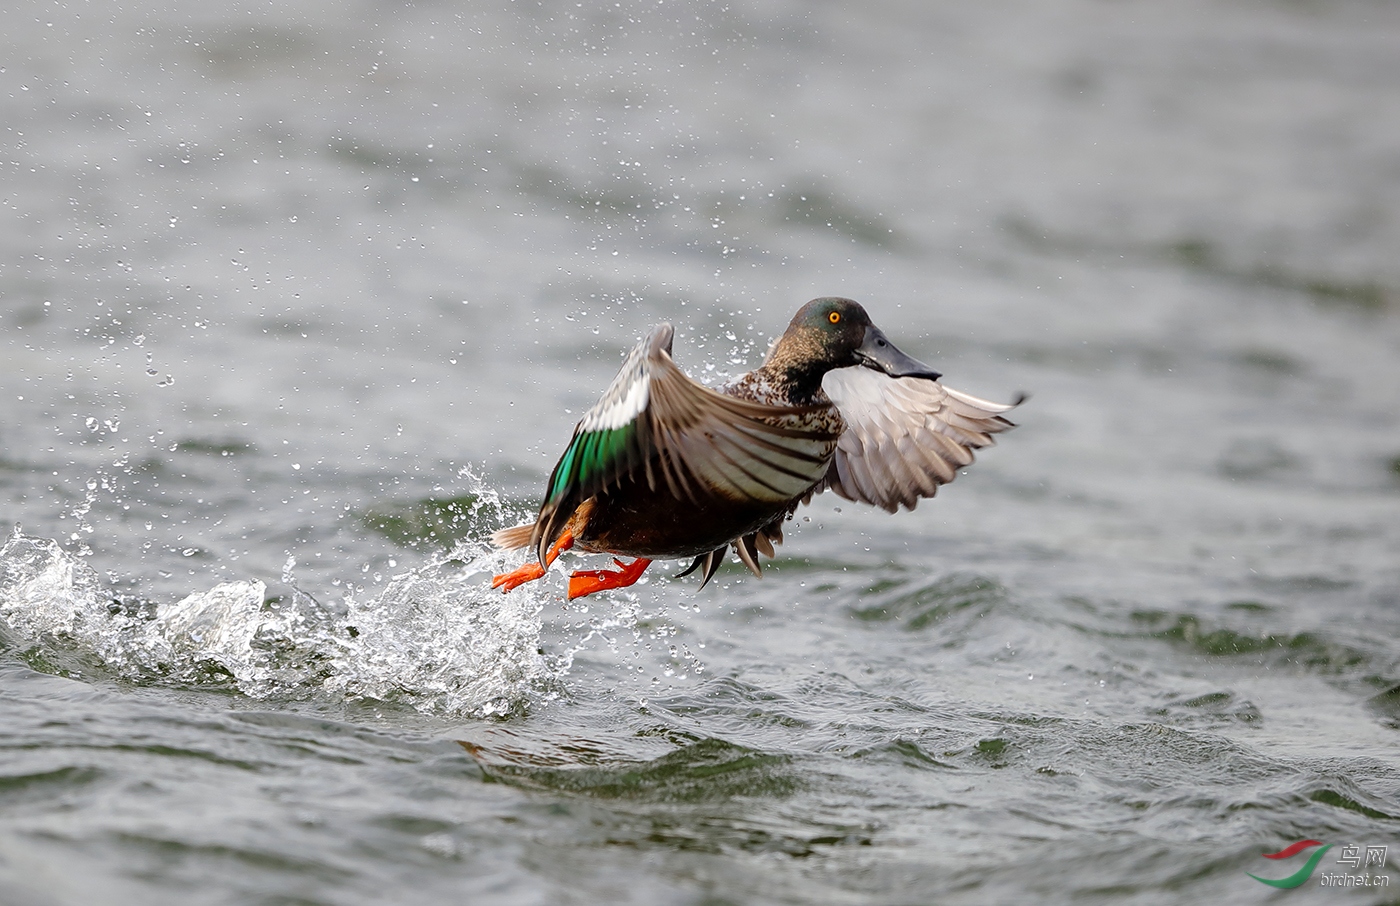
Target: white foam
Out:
[435,637]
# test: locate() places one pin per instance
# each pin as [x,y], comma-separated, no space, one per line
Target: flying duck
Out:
[664,467]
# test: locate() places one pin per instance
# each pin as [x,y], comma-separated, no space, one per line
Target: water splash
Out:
[43,590]
[440,639]
[435,637]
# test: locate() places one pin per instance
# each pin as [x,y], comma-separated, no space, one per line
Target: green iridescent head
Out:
[832,332]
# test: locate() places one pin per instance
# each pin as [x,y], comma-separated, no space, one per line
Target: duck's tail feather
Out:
[710,561]
[747,549]
[694,565]
[513,537]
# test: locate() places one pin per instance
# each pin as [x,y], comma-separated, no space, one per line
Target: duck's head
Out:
[832,332]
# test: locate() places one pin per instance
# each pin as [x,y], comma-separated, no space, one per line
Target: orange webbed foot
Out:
[588,581]
[517,577]
[532,571]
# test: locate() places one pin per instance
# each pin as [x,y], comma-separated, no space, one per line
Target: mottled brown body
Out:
[635,521]
[632,519]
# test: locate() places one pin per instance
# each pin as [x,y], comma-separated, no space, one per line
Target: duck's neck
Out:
[797,378]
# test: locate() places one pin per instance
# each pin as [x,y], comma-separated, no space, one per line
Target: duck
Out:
[664,467]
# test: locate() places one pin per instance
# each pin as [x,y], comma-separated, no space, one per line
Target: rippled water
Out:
[301,303]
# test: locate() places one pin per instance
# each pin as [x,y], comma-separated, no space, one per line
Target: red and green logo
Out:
[1299,877]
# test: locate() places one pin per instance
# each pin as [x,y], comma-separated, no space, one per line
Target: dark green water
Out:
[301,302]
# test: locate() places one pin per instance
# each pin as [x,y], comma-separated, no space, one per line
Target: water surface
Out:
[301,303]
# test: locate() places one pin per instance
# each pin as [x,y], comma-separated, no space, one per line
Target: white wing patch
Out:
[904,436]
[626,397]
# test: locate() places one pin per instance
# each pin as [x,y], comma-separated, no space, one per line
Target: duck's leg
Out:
[587,581]
[532,571]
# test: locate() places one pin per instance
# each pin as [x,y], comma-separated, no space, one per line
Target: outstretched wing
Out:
[656,425]
[904,436]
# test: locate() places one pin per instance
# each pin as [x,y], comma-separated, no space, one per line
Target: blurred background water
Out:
[301,301]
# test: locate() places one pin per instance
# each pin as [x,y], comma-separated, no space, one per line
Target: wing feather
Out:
[904,437]
[919,466]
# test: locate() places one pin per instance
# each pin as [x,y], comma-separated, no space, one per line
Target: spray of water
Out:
[434,637]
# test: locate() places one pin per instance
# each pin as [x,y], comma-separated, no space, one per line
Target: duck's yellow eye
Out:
[834,317]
